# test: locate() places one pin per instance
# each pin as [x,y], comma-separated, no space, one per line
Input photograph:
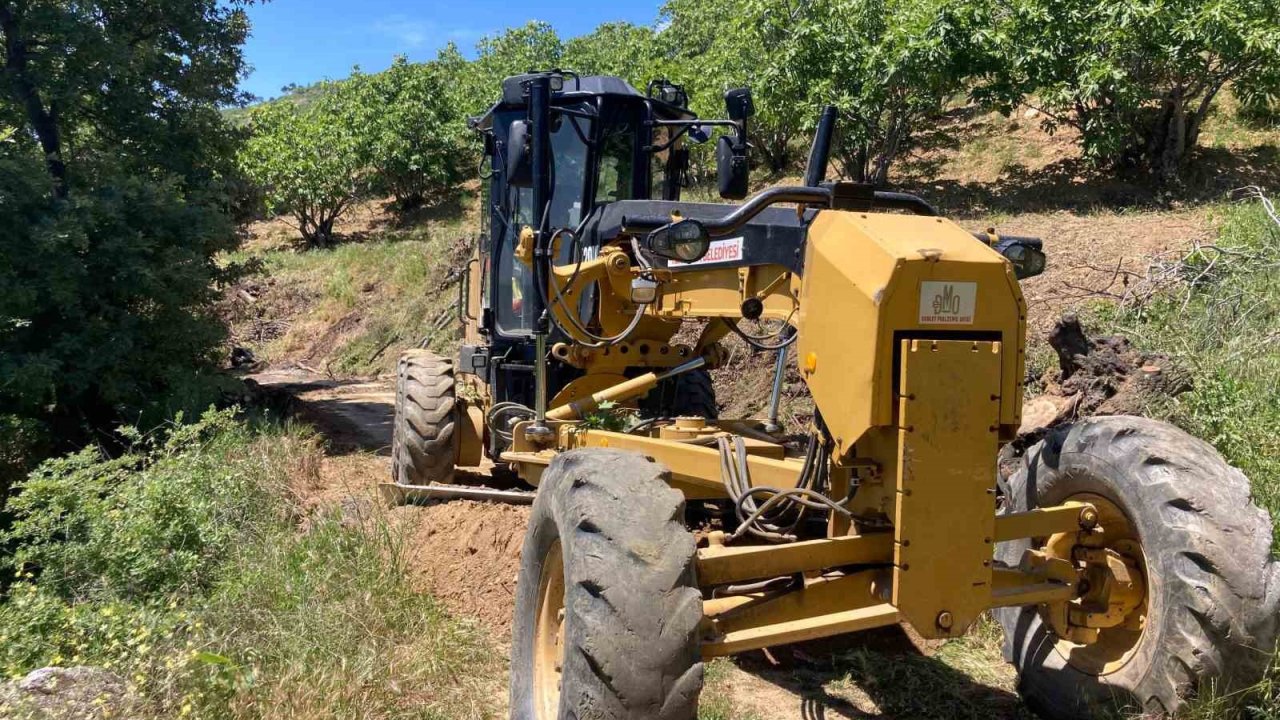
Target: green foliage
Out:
[180,567]
[408,131]
[888,65]
[632,52]
[1220,326]
[398,132]
[476,84]
[1137,79]
[310,162]
[608,416]
[114,166]
[111,551]
[148,522]
[105,297]
[721,44]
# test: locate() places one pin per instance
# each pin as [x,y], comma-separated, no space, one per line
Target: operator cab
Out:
[608,143]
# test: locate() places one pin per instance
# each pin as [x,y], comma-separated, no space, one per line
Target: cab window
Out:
[514,280]
[617,164]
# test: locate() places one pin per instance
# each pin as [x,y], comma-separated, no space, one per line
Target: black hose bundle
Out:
[774,514]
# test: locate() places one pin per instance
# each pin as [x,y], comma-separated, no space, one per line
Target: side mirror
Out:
[732,170]
[738,105]
[684,241]
[519,169]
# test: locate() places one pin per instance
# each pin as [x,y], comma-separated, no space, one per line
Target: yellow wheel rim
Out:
[1107,620]
[548,648]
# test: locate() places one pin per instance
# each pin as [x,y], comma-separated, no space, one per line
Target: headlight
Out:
[685,240]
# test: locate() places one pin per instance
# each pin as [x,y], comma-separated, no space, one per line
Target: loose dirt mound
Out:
[1104,375]
[467,554]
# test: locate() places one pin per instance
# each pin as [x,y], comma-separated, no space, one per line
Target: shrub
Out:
[181,567]
[148,523]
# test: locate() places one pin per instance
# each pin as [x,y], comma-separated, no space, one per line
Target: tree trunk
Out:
[324,233]
[775,152]
[1167,137]
[44,121]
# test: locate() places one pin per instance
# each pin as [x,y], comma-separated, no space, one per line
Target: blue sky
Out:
[302,41]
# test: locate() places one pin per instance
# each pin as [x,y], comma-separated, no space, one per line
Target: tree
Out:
[145,75]
[309,161]
[113,183]
[408,130]
[1137,79]
[722,44]
[478,83]
[888,65]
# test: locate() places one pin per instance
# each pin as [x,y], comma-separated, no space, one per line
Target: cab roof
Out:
[577,89]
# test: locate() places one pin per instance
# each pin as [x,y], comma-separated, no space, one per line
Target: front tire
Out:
[607,607]
[1205,551]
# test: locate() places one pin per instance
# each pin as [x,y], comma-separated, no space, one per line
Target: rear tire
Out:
[690,394]
[607,532]
[1212,588]
[424,438]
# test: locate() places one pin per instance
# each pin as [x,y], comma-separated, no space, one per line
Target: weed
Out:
[716,702]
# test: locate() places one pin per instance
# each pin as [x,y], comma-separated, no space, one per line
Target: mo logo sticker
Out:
[947,303]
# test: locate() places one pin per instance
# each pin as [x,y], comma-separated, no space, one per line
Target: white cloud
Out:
[405,31]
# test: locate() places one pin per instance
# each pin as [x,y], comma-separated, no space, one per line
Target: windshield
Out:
[568,168]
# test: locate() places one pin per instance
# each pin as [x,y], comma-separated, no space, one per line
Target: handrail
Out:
[741,215]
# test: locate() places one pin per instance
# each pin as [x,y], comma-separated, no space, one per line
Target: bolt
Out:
[945,620]
[1088,518]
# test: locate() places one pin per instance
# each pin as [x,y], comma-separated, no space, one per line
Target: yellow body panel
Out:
[944,527]
[864,277]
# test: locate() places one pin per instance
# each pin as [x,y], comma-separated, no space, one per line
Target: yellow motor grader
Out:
[1125,560]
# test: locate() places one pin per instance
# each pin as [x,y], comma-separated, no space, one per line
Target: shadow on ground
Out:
[875,675]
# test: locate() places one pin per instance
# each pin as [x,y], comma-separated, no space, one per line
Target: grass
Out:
[352,308]
[717,700]
[246,611]
[1228,127]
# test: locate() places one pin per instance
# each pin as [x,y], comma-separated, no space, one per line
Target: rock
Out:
[1031,114]
[72,693]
